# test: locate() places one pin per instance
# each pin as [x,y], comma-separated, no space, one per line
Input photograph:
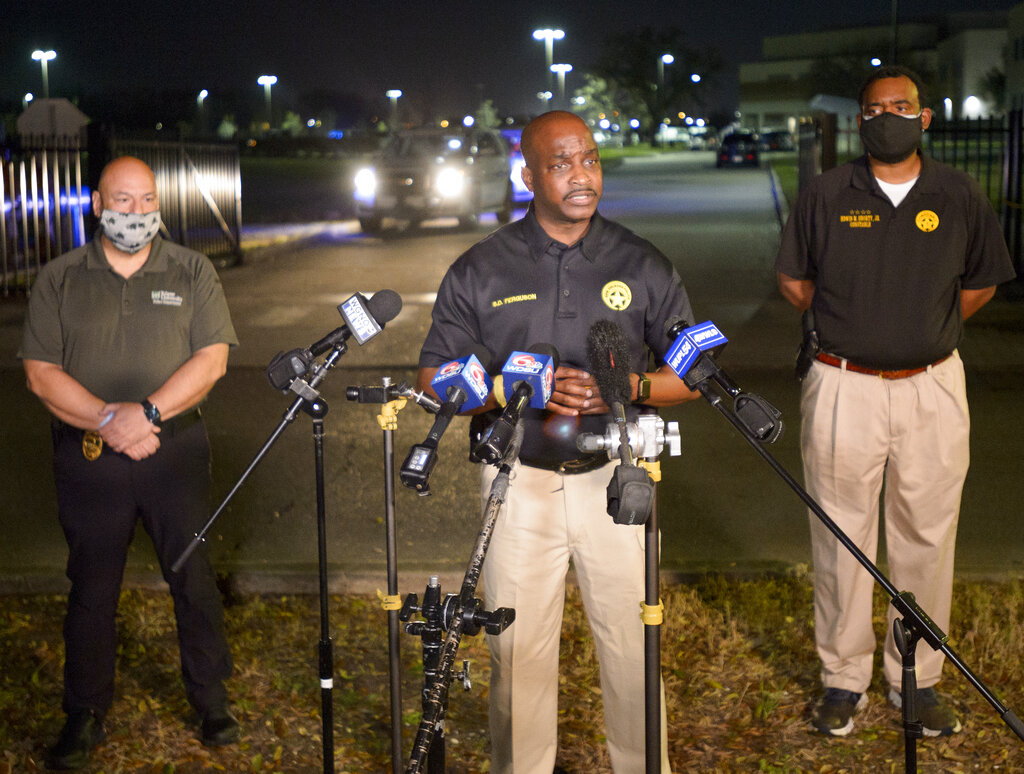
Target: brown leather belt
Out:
[832,360]
[568,467]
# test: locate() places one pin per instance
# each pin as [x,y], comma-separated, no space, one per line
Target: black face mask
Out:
[891,138]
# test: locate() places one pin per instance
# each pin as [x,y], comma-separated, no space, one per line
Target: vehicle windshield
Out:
[424,145]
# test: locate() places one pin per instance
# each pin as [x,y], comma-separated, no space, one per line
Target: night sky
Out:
[443,54]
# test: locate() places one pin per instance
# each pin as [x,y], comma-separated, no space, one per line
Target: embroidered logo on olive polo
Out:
[926,220]
[513,299]
[859,219]
[616,295]
[165,298]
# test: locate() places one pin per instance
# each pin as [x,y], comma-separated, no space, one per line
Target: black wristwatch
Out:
[152,412]
[643,388]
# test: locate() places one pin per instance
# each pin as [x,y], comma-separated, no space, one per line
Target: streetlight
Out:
[695,77]
[266,81]
[548,36]
[561,69]
[43,57]
[663,60]
[545,97]
[29,96]
[393,95]
[201,111]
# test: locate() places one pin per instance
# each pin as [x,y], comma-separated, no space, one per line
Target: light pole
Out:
[549,37]
[561,69]
[266,81]
[43,57]
[545,97]
[201,111]
[393,95]
[663,60]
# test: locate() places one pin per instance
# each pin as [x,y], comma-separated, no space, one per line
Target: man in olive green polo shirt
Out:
[123,339]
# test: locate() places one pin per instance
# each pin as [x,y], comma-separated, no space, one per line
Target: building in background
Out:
[956,54]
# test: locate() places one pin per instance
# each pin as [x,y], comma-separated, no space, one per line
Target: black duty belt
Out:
[567,467]
[92,443]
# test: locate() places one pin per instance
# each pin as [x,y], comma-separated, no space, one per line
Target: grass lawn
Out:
[737,657]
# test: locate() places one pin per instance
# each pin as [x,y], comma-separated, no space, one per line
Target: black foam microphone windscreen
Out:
[384,305]
[608,355]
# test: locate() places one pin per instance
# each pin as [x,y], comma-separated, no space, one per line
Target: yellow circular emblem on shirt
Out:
[927,220]
[616,295]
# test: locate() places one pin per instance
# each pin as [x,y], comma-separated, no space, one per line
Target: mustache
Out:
[579,191]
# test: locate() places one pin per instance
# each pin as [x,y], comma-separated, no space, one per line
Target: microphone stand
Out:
[458,614]
[392,399]
[649,447]
[652,616]
[915,624]
[309,401]
[650,437]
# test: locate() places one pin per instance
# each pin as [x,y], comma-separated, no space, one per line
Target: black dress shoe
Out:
[220,727]
[82,731]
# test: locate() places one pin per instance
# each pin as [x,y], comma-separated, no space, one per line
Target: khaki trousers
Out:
[548,519]
[858,433]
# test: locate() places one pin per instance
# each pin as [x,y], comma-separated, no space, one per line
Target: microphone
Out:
[528,379]
[363,320]
[608,355]
[684,356]
[466,385]
[691,359]
[631,490]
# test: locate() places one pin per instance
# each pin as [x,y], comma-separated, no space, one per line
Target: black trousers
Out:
[99,503]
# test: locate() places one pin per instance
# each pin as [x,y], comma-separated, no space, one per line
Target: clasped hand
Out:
[575,392]
[128,431]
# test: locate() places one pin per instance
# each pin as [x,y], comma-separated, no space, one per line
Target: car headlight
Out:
[365,184]
[450,182]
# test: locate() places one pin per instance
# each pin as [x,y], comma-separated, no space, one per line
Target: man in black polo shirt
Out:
[548,278]
[891,253]
[124,337]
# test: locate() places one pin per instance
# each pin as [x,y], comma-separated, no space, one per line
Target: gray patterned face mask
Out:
[128,231]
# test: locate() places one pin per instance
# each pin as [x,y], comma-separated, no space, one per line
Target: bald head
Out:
[538,133]
[563,169]
[127,184]
[126,169]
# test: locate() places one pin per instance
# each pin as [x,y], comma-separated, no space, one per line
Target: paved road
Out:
[721,506]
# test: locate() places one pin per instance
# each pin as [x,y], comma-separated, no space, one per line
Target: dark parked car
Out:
[430,173]
[775,140]
[738,149]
